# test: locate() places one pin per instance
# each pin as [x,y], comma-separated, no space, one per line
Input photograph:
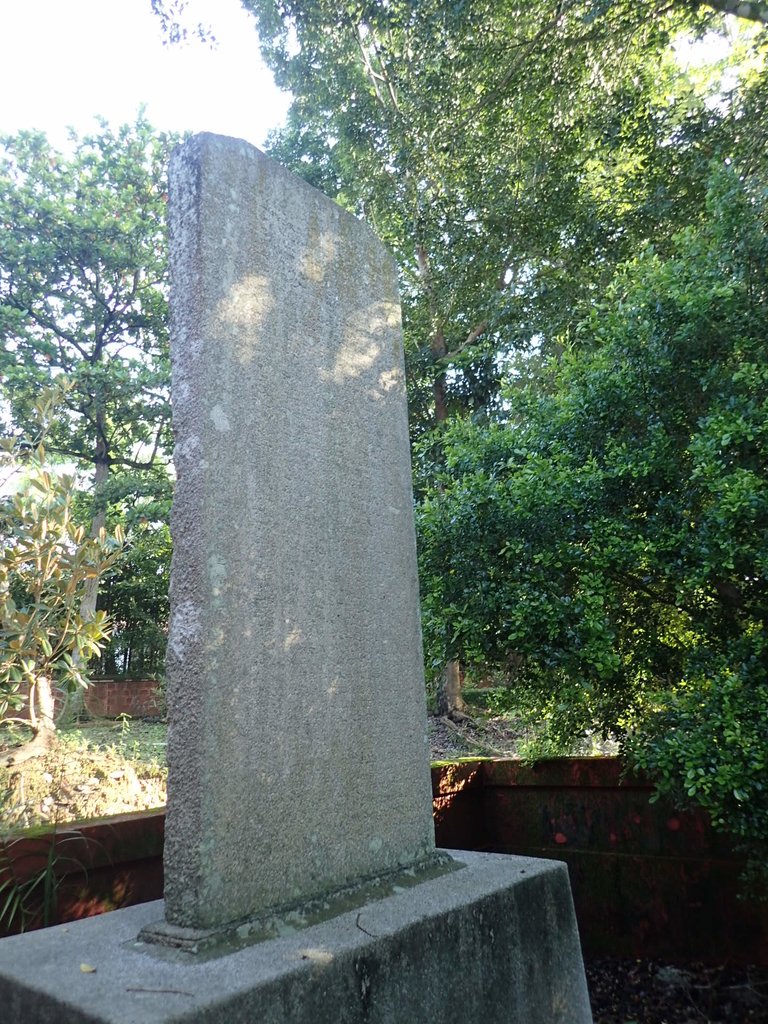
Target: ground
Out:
[96,769]
[493,736]
[649,992]
[102,768]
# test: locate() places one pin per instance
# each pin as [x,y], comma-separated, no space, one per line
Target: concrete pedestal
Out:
[494,942]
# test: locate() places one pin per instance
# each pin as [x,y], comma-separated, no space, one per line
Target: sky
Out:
[67,61]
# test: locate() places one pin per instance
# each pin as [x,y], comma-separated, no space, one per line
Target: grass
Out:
[94,769]
[142,743]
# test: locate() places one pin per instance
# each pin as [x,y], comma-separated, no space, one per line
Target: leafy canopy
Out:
[609,541]
[83,296]
[83,283]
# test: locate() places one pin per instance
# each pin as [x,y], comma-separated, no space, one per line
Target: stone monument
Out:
[294,659]
[302,884]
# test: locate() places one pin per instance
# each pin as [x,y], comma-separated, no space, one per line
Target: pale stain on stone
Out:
[219,419]
[320,254]
[247,304]
[185,628]
[318,956]
[293,638]
[217,571]
[352,361]
[390,380]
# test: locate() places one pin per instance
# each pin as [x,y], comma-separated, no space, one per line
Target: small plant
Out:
[124,724]
[46,564]
[30,897]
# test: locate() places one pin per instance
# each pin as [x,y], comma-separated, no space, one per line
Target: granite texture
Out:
[295,676]
[492,943]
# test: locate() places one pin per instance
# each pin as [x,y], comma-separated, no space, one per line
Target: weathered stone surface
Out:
[492,943]
[294,664]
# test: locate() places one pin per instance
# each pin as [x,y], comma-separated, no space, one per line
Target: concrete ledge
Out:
[493,943]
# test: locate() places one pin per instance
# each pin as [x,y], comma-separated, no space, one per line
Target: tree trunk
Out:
[98,523]
[449,699]
[41,718]
[441,403]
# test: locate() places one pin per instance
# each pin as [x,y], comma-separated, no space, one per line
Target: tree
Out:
[400,115]
[83,274]
[83,294]
[46,564]
[134,593]
[512,156]
[462,132]
[612,534]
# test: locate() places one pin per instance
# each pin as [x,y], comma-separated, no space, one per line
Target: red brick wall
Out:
[100,866]
[647,879]
[140,698]
[109,698]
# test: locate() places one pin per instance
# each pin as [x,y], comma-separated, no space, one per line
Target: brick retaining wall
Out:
[647,880]
[110,698]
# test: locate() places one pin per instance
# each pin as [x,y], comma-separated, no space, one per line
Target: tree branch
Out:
[469,341]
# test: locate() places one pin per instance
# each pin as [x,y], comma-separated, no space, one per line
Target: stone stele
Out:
[301,879]
[297,744]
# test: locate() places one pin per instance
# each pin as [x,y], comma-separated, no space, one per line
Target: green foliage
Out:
[708,743]
[508,157]
[83,294]
[612,534]
[46,561]
[497,700]
[83,268]
[135,596]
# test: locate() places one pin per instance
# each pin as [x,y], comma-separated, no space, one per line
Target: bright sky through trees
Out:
[64,63]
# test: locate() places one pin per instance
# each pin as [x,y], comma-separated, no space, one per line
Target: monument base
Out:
[230,938]
[492,943]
